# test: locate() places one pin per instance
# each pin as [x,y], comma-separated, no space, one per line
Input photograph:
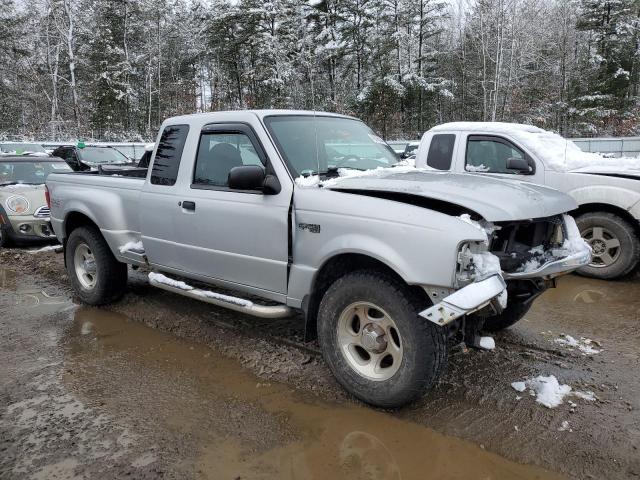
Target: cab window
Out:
[219,152]
[441,151]
[490,154]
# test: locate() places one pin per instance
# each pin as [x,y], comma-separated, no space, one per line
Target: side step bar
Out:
[232,303]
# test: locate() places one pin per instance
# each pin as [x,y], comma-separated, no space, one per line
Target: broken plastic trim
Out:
[467,300]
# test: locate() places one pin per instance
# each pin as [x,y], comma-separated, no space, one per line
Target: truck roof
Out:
[503,127]
[259,113]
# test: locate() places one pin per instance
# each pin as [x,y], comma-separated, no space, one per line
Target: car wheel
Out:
[514,312]
[375,343]
[614,243]
[97,277]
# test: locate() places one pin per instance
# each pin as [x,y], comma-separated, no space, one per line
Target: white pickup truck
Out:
[607,190]
[310,212]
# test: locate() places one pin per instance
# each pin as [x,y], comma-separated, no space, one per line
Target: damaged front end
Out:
[518,261]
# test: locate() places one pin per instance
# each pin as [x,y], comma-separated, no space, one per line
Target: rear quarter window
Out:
[167,160]
[441,151]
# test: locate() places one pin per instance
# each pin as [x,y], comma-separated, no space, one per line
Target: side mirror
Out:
[519,164]
[253,177]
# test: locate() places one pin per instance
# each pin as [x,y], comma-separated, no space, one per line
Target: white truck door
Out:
[235,237]
[489,153]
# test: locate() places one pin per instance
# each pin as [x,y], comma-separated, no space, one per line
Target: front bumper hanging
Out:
[467,300]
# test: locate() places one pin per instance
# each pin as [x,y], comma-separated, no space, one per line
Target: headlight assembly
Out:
[17,204]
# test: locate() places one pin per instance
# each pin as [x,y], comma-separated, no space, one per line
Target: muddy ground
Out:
[159,386]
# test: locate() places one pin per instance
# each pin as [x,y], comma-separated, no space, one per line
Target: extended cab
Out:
[607,190]
[310,212]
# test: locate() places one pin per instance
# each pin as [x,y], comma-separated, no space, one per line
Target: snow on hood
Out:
[493,198]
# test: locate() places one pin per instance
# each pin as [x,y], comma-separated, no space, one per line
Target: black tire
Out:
[509,316]
[424,344]
[4,237]
[110,274]
[629,251]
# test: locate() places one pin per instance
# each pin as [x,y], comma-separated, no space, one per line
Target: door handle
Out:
[188,205]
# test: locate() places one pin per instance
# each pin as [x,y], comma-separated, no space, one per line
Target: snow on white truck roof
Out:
[556,152]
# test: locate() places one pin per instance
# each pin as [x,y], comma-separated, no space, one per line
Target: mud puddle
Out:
[232,425]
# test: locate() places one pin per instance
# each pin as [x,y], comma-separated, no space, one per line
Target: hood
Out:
[496,200]
[612,171]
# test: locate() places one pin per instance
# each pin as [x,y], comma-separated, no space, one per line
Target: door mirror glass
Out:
[247,177]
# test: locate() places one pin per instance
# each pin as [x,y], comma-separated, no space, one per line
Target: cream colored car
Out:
[24,214]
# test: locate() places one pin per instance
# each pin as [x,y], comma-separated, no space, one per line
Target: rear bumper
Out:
[467,300]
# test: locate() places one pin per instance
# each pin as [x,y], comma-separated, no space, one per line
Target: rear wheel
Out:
[375,343]
[614,243]
[97,277]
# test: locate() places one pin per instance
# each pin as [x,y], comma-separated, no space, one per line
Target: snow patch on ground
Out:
[487,343]
[160,278]
[136,247]
[549,392]
[584,344]
[48,248]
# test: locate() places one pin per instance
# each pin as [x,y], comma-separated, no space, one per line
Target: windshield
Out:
[341,143]
[101,155]
[21,148]
[34,173]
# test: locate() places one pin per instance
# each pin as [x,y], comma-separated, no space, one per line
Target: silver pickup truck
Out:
[310,212]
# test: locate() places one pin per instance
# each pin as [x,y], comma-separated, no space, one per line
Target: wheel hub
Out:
[599,247]
[373,338]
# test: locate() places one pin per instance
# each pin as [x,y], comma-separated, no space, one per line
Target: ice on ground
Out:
[564,427]
[519,386]
[584,344]
[135,247]
[549,392]
[487,343]
[160,278]
[48,248]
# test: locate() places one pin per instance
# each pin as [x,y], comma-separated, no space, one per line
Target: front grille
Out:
[42,212]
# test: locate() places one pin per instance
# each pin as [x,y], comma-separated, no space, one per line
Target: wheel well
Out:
[604,207]
[337,267]
[75,220]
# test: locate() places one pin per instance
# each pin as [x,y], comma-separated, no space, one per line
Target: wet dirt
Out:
[206,393]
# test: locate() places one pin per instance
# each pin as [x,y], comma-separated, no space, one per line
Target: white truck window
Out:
[490,154]
[441,151]
[218,153]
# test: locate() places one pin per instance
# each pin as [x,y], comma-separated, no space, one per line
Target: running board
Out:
[232,303]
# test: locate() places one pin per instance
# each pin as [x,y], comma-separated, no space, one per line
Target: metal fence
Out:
[614,147]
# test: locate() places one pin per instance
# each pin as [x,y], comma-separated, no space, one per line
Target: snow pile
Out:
[136,247]
[160,278]
[548,391]
[48,248]
[584,344]
[564,427]
[486,264]
[18,186]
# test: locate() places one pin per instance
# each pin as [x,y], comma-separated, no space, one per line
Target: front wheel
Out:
[514,312]
[614,243]
[97,277]
[375,343]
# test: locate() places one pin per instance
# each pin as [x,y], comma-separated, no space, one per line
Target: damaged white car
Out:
[300,212]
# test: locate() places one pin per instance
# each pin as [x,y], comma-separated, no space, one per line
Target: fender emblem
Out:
[312,227]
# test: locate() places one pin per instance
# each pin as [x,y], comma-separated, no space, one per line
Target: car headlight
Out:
[17,204]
